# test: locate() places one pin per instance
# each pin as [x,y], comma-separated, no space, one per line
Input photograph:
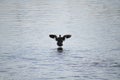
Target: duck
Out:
[60,39]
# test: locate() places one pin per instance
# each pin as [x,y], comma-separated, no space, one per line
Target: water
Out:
[27,53]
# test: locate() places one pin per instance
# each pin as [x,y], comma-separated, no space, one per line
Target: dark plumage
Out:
[59,39]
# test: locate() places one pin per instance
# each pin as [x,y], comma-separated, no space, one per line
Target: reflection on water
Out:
[27,52]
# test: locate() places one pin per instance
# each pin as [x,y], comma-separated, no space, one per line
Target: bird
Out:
[60,39]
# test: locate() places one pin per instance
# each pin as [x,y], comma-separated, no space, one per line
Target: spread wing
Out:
[53,36]
[67,36]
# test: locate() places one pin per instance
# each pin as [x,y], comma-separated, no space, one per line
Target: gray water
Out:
[27,52]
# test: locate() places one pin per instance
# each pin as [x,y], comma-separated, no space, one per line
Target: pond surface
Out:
[27,52]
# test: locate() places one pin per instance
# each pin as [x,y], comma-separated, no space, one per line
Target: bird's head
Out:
[59,35]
